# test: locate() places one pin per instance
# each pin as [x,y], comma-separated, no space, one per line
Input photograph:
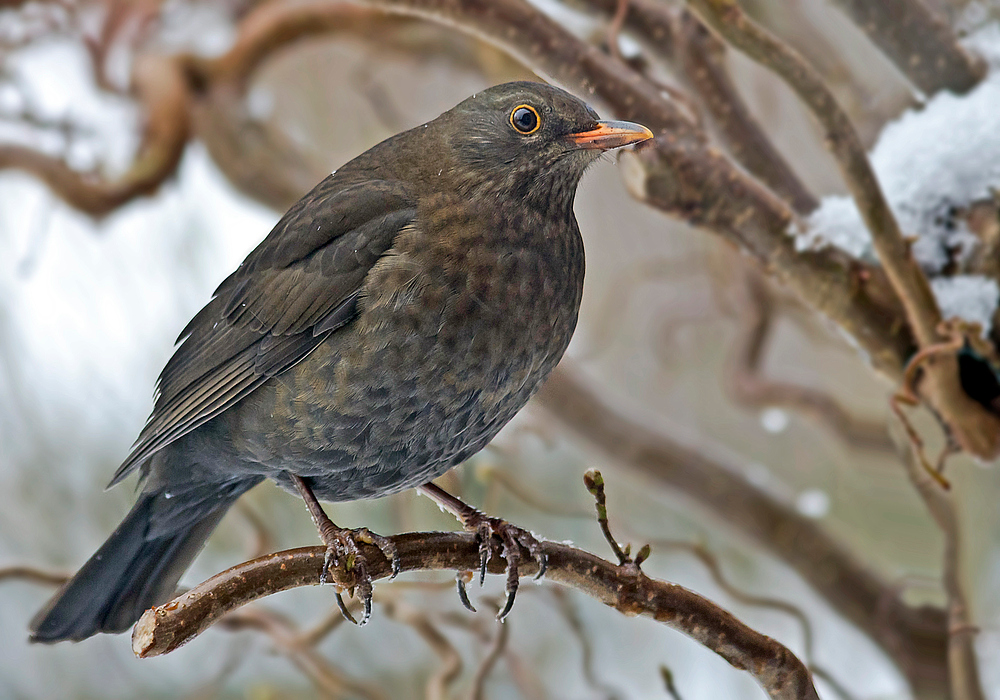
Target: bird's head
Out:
[521,137]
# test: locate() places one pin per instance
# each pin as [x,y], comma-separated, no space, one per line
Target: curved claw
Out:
[342,547]
[543,566]
[508,606]
[364,592]
[343,608]
[488,530]
[463,594]
[368,610]
[485,554]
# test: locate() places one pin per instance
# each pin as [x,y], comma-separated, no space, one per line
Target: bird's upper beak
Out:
[608,134]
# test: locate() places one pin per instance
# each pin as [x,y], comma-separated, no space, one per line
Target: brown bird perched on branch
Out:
[385,330]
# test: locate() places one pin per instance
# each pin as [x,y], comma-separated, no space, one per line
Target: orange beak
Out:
[610,134]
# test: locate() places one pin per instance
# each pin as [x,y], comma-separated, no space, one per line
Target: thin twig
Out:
[595,484]
[963,664]
[33,574]
[668,681]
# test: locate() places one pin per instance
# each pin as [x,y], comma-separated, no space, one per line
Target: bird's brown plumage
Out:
[388,326]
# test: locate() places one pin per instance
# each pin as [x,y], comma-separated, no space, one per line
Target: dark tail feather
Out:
[138,567]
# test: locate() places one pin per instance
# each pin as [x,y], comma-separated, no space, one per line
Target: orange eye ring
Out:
[525,119]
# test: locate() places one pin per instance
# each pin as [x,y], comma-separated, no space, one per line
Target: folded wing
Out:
[296,288]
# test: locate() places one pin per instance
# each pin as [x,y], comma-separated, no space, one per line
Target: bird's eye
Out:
[525,119]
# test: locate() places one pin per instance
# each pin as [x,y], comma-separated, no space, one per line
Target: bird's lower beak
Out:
[610,134]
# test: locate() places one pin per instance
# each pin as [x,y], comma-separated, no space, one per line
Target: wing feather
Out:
[298,286]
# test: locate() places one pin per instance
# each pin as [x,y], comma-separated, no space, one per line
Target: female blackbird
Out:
[389,325]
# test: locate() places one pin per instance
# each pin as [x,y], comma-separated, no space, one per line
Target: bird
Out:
[392,321]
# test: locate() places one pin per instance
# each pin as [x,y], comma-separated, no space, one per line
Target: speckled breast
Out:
[458,326]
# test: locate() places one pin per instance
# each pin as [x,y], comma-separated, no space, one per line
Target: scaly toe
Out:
[513,539]
[388,549]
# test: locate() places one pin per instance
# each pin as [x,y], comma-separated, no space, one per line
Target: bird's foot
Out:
[491,534]
[496,535]
[343,552]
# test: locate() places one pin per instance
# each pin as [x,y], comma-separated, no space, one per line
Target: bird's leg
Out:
[343,543]
[510,537]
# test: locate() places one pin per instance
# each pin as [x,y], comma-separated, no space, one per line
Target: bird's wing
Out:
[298,286]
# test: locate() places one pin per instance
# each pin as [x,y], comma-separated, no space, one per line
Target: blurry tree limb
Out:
[706,191]
[33,574]
[624,287]
[711,563]
[974,428]
[331,681]
[921,44]
[963,663]
[162,94]
[681,40]
[747,384]
[588,663]
[537,40]
[496,650]
[263,538]
[439,683]
[915,638]
[271,27]
[625,588]
[702,61]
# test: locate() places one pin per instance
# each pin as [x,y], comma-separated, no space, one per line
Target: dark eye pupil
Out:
[524,119]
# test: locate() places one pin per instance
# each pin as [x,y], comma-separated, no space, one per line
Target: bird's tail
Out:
[139,565]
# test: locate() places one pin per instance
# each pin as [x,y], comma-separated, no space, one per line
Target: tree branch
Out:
[680,39]
[681,175]
[701,58]
[975,429]
[627,589]
[920,44]
[161,91]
